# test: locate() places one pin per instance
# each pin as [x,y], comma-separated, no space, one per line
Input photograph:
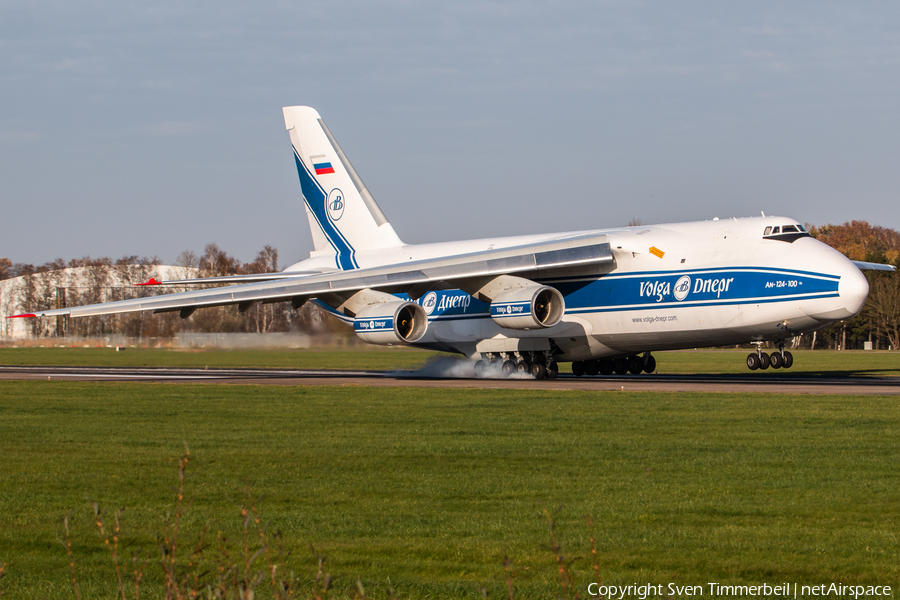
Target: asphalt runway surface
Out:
[759,382]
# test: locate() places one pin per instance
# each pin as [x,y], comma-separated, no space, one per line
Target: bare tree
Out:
[263,316]
[6,269]
[187,262]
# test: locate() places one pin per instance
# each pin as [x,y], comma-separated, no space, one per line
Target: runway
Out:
[771,382]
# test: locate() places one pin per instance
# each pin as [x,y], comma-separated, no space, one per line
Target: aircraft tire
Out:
[538,371]
[788,360]
[650,365]
[606,367]
[552,370]
[481,368]
[776,361]
[752,361]
[764,361]
[578,368]
[635,365]
[620,366]
[508,368]
[592,367]
[521,367]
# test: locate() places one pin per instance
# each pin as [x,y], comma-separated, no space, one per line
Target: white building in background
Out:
[77,286]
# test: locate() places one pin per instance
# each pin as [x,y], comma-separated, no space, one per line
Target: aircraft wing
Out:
[590,249]
[253,277]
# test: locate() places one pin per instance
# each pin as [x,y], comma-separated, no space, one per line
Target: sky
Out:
[150,128]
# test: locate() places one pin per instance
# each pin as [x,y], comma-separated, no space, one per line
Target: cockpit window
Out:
[785,233]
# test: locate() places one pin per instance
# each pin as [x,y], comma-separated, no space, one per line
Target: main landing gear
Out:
[539,365]
[777,360]
[634,364]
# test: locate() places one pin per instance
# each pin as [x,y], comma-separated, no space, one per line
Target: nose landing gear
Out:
[781,359]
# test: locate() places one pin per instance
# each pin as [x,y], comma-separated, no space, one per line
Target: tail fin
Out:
[343,216]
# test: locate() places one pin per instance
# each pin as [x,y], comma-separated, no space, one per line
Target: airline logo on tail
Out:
[335,203]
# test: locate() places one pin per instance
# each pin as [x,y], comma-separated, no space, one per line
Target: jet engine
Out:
[531,307]
[391,323]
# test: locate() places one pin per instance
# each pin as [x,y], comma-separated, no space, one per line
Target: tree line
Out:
[57,284]
[103,280]
[879,320]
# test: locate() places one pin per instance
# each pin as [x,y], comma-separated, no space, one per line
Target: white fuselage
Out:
[671,286]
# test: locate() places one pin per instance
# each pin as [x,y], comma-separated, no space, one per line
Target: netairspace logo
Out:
[713,590]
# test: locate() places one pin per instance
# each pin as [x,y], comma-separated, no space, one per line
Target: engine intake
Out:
[531,307]
[391,323]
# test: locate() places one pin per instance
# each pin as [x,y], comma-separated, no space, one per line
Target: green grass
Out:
[360,358]
[806,363]
[426,490]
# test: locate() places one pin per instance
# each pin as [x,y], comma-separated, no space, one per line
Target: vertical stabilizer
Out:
[343,216]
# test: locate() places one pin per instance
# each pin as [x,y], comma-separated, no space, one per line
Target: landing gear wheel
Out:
[508,368]
[776,361]
[764,361]
[635,365]
[592,367]
[650,364]
[753,361]
[621,366]
[481,368]
[552,370]
[578,368]
[538,371]
[521,367]
[606,367]
[788,360]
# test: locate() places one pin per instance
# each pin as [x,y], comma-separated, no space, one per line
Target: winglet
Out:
[152,281]
[21,316]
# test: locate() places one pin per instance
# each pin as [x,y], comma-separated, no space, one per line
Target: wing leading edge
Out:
[557,254]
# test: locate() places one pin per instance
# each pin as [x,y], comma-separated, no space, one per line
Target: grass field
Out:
[806,363]
[365,357]
[425,491]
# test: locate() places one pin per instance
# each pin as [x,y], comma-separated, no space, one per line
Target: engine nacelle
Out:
[391,323]
[531,307]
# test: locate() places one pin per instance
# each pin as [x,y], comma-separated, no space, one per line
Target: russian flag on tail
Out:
[321,165]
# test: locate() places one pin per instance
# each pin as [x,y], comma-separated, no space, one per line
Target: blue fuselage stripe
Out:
[621,292]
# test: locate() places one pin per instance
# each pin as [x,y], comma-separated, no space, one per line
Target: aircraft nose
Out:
[853,289]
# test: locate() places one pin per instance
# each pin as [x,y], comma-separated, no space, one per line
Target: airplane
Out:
[603,299]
